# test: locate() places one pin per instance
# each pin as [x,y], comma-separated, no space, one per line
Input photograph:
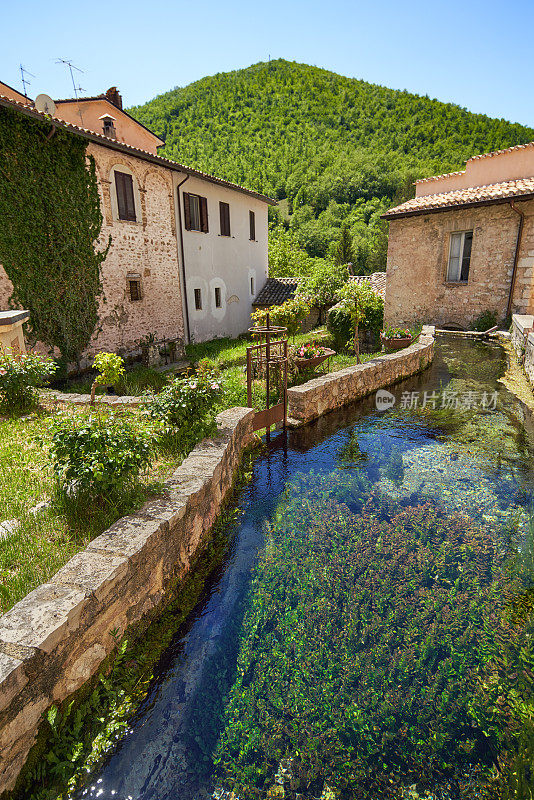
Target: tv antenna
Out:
[67,62]
[25,81]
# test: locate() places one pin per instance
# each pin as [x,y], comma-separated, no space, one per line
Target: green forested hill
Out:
[332,148]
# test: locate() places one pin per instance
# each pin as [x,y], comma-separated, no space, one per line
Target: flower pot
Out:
[311,363]
[396,343]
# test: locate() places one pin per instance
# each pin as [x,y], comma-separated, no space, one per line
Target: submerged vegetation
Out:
[368,648]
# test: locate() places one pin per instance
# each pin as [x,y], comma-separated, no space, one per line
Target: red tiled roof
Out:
[278,290]
[473,196]
[438,177]
[99,138]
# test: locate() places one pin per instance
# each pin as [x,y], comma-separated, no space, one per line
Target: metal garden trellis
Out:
[261,359]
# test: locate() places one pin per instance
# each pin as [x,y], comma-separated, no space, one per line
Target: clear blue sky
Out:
[476,54]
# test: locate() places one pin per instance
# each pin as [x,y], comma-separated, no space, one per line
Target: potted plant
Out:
[396,338]
[310,355]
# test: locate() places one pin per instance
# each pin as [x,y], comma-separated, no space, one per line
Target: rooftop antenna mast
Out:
[25,81]
[68,63]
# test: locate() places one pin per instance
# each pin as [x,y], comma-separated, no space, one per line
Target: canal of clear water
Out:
[353,636]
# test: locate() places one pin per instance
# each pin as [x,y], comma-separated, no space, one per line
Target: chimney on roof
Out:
[114,97]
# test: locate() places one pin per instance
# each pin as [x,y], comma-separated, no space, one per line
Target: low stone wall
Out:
[55,639]
[522,324]
[336,389]
[108,400]
[523,342]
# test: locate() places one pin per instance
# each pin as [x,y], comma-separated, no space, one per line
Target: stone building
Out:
[465,243]
[188,250]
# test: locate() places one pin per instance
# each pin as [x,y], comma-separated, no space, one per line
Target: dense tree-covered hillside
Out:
[333,149]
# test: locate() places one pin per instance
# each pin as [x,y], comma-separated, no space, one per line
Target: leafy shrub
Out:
[290,314]
[20,375]
[95,457]
[486,320]
[340,320]
[339,325]
[183,406]
[110,370]
[362,649]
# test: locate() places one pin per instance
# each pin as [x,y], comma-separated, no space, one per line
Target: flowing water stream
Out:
[479,472]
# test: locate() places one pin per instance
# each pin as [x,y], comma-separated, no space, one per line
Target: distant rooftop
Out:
[278,290]
[474,196]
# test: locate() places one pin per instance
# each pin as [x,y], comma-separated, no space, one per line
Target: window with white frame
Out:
[459,256]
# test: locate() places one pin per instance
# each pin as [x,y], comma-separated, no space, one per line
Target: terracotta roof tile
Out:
[99,138]
[278,290]
[437,177]
[473,196]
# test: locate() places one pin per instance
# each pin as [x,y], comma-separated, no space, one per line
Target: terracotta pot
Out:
[311,363]
[395,343]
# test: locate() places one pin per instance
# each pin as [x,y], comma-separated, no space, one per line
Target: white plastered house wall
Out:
[234,265]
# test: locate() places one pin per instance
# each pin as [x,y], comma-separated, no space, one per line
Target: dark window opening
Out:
[224,214]
[461,244]
[125,196]
[198,300]
[135,290]
[195,213]
[252,225]
[217,297]
[252,286]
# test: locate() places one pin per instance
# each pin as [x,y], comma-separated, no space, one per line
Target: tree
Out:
[286,257]
[321,288]
[344,251]
[361,303]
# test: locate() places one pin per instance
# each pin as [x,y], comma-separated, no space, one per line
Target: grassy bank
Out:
[43,539]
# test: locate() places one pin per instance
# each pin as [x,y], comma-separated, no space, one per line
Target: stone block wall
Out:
[55,639]
[418,252]
[147,248]
[336,389]
[522,324]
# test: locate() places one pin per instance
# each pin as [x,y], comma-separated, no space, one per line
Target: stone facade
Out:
[523,342]
[158,254]
[55,639]
[147,248]
[417,288]
[336,389]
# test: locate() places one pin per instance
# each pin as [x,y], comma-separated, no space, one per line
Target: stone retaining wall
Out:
[336,389]
[55,639]
[108,400]
[523,341]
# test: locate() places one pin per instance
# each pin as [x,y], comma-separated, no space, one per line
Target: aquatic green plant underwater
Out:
[384,648]
[373,652]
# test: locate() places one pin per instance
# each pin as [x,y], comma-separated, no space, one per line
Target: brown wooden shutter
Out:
[187,212]
[252,224]
[224,214]
[203,214]
[129,195]
[125,196]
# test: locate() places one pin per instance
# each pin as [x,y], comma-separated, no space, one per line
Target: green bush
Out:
[182,407]
[94,458]
[109,367]
[364,650]
[339,325]
[340,319]
[20,375]
[486,320]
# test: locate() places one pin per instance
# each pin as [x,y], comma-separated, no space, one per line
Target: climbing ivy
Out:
[51,221]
